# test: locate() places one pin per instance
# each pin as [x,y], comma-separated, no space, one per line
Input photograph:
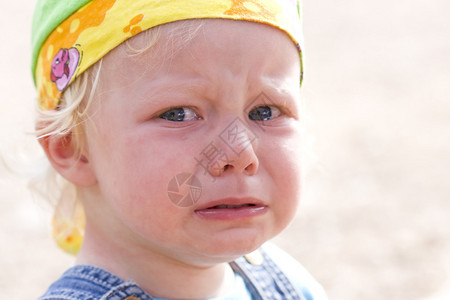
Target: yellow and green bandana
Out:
[70,36]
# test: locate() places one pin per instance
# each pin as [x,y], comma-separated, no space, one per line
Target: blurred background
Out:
[375,214]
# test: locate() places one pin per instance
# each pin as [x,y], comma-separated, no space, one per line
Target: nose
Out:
[235,150]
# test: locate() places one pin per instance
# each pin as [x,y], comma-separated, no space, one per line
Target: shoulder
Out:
[302,280]
[91,283]
[74,283]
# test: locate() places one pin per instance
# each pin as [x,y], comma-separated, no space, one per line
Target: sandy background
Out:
[375,214]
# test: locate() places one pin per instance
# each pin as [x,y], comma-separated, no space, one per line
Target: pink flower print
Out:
[64,65]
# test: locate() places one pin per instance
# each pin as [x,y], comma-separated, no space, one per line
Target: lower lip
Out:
[224,214]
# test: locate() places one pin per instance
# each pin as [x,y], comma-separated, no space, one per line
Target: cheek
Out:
[132,161]
[135,184]
[284,169]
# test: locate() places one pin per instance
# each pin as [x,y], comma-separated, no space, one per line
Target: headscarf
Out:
[70,36]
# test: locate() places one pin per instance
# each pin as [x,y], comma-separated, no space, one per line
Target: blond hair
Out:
[72,112]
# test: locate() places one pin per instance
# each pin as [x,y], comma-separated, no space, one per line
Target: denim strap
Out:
[265,280]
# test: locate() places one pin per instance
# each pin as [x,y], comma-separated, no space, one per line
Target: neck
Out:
[155,272]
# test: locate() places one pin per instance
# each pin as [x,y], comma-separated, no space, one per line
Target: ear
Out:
[69,163]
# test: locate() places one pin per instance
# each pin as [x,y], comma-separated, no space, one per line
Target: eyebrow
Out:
[159,86]
[155,91]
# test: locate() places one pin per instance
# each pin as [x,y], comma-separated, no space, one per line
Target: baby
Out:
[177,124]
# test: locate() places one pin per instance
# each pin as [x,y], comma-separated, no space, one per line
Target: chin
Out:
[228,249]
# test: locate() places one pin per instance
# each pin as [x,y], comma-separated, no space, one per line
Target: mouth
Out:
[231,209]
[223,206]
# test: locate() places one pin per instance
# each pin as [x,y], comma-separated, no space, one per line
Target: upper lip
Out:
[231,201]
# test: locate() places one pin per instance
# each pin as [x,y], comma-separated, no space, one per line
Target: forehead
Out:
[200,38]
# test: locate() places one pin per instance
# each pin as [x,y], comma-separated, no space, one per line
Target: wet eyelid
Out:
[275,113]
[167,109]
[189,114]
[281,109]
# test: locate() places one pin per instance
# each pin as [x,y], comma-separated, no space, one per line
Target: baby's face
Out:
[223,114]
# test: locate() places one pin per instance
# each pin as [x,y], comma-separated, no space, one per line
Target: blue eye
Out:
[179,114]
[264,113]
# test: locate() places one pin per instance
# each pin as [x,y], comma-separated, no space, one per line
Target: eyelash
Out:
[178,114]
[264,116]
